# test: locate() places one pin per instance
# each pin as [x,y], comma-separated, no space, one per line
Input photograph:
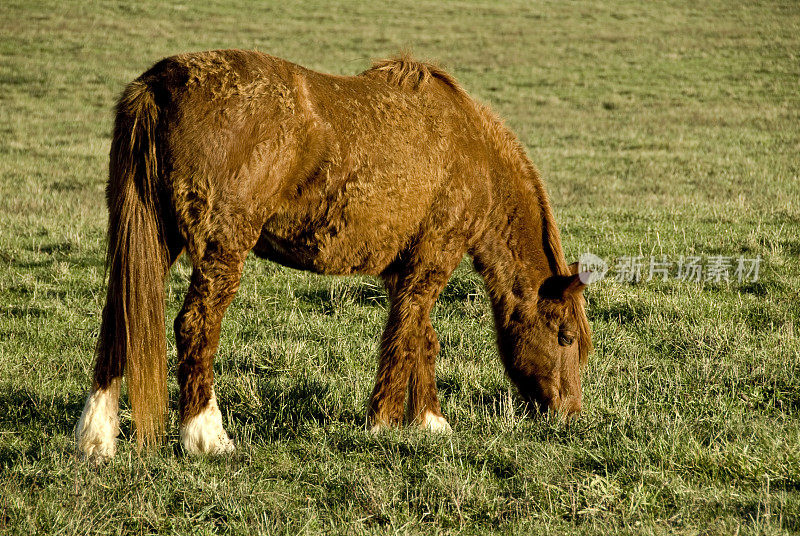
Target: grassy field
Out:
[663,128]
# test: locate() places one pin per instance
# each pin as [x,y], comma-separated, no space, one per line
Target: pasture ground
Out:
[663,128]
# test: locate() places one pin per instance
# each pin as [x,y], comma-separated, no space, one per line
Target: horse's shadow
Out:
[283,407]
[287,402]
[286,408]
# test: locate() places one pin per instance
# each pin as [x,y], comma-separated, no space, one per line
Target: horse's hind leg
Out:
[215,280]
[98,427]
[409,345]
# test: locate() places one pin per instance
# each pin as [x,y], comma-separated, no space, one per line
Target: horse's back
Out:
[335,174]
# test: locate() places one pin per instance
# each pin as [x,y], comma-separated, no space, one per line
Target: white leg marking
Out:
[378,427]
[98,427]
[204,434]
[434,423]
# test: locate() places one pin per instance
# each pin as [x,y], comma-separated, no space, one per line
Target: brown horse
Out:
[395,172]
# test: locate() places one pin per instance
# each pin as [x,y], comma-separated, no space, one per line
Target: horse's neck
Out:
[522,247]
[515,255]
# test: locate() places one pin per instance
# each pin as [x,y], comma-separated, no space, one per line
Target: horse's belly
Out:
[336,249]
[345,222]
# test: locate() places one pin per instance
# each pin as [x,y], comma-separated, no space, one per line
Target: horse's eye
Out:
[565,339]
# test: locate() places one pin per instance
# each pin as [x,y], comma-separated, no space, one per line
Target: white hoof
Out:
[435,423]
[204,434]
[98,427]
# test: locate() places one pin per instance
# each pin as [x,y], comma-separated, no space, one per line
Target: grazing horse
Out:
[395,173]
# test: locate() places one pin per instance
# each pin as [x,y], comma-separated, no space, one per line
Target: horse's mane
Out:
[404,71]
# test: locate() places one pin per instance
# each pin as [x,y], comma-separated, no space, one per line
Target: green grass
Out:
[667,127]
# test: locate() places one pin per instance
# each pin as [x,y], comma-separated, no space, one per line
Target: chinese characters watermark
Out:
[690,268]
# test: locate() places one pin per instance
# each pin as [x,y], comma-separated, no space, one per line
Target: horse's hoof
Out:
[95,447]
[199,441]
[97,453]
[378,427]
[204,434]
[96,433]
[435,423]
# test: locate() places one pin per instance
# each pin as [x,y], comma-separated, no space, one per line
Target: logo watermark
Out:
[691,268]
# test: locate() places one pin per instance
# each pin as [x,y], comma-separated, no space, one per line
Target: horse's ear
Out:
[574,268]
[558,287]
[575,283]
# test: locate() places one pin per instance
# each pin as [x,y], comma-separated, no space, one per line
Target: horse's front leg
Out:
[399,346]
[423,408]
[215,280]
[408,350]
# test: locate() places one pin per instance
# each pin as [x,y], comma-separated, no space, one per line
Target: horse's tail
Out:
[132,335]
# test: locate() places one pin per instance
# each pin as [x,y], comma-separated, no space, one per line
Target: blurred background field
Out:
[661,128]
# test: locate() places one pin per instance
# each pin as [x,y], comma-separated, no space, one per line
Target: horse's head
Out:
[545,342]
